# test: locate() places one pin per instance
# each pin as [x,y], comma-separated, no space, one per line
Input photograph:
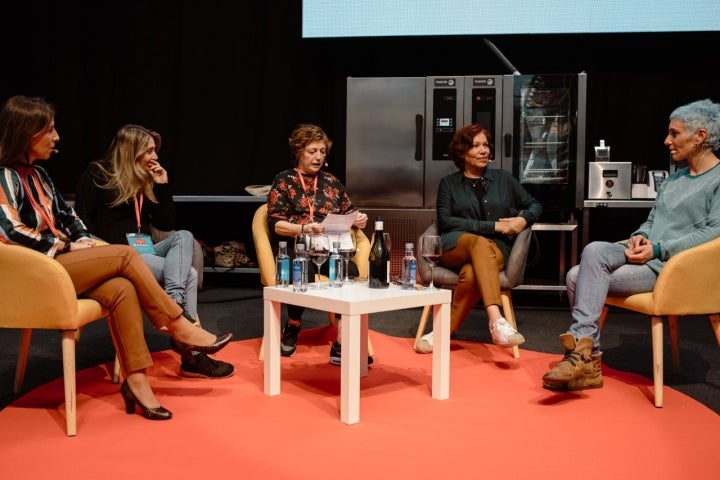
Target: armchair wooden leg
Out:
[421,327]
[116,370]
[68,356]
[22,359]
[657,349]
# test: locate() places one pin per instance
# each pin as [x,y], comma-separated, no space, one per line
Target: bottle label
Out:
[285,272]
[299,275]
[409,273]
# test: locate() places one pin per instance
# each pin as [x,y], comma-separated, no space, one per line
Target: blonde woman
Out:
[119,197]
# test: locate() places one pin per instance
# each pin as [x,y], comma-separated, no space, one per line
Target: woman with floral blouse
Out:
[300,198]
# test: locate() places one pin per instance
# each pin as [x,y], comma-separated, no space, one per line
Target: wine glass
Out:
[319,250]
[305,240]
[431,253]
[388,242]
[347,250]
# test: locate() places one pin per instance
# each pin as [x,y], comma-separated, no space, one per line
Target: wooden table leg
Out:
[271,342]
[441,352]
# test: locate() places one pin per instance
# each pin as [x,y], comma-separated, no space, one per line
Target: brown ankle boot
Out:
[576,361]
[591,377]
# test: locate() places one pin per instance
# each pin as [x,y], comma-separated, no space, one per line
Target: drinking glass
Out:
[305,240]
[388,243]
[347,250]
[431,253]
[319,250]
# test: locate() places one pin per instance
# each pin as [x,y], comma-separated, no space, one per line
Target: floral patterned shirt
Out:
[289,200]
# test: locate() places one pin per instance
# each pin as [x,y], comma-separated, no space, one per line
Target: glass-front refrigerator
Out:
[546,150]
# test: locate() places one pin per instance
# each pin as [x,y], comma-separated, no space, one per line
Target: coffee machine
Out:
[609,180]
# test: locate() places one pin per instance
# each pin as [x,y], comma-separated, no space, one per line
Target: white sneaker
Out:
[505,335]
[425,343]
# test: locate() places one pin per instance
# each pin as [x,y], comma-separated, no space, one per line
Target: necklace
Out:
[474,181]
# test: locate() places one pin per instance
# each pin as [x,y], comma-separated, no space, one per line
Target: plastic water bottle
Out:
[335,265]
[300,270]
[409,268]
[282,266]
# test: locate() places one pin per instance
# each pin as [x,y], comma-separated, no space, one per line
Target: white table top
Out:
[358,298]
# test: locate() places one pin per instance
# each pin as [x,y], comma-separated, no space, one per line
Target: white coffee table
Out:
[354,303]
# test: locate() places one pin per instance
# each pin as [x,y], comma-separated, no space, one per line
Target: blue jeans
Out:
[603,271]
[172,267]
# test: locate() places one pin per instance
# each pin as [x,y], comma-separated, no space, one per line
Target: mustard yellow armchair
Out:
[37,293]
[266,259]
[687,285]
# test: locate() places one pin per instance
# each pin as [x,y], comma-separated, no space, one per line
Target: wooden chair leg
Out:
[262,349]
[68,356]
[116,370]
[509,313]
[421,326]
[22,357]
[657,348]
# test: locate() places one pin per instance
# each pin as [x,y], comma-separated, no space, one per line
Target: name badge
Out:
[141,242]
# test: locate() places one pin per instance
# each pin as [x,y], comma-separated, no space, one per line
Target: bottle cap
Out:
[409,246]
[282,244]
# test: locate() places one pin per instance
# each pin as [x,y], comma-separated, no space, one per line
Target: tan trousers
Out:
[118,278]
[480,261]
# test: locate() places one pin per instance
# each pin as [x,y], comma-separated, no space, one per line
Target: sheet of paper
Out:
[336,224]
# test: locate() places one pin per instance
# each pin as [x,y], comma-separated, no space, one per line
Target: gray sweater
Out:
[686,213]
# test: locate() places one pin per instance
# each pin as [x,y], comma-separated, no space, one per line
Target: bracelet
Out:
[66,248]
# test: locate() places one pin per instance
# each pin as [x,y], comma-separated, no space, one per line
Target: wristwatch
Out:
[66,248]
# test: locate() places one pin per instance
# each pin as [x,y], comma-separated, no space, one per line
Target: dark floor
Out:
[234,303]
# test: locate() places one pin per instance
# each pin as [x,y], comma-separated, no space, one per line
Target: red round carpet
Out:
[498,423]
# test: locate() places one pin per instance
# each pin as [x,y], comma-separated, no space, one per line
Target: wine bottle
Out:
[379,258]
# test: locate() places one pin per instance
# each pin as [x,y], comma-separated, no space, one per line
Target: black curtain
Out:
[225,82]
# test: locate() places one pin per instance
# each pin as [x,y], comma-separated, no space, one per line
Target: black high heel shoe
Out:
[220,342]
[158,413]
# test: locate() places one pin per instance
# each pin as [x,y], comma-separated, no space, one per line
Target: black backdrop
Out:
[224,82]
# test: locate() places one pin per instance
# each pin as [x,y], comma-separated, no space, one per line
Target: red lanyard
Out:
[311,203]
[138,209]
[41,209]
